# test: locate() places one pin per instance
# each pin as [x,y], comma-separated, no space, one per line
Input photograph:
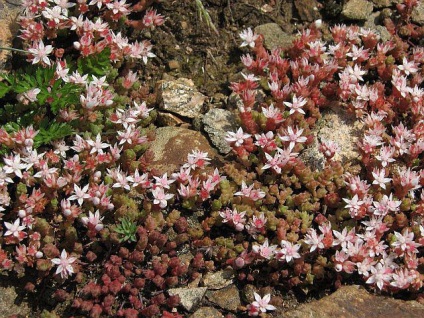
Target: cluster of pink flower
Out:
[384,245]
[90,22]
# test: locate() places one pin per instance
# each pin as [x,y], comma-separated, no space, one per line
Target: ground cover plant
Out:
[83,212]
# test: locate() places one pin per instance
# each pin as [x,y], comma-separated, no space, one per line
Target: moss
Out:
[125,207]
[21,188]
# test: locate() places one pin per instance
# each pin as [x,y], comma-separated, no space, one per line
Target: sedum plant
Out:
[127,229]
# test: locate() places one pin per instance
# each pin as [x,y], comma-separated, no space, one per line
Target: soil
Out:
[186,47]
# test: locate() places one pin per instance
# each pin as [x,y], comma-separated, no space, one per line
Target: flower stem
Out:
[13,49]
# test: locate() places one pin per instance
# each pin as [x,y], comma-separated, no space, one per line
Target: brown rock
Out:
[354,302]
[207,312]
[181,97]
[219,279]
[168,119]
[308,10]
[227,298]
[9,27]
[172,145]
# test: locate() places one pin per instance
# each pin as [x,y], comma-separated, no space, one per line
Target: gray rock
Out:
[10,305]
[372,23]
[219,279]
[417,15]
[172,145]
[227,298]
[217,122]
[338,126]
[354,302]
[207,312]
[190,297]
[357,10]
[274,36]
[382,3]
[180,97]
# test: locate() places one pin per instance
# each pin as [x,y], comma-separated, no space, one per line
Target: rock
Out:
[335,125]
[308,10]
[417,15]
[247,293]
[190,297]
[372,22]
[331,9]
[10,304]
[382,3]
[274,36]
[180,97]
[174,65]
[172,145]
[355,301]
[219,279]
[217,122]
[227,298]
[357,9]
[168,119]
[207,312]
[9,11]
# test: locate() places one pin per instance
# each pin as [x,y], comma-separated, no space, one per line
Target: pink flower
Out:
[93,221]
[97,145]
[248,37]
[265,250]
[297,105]
[379,178]
[408,67]
[293,136]
[288,251]
[160,197]
[14,229]
[328,148]
[129,80]
[315,241]
[263,303]
[14,165]
[197,159]
[273,113]
[234,218]
[237,137]
[64,264]
[79,194]
[380,275]
[249,192]
[405,242]
[386,155]
[40,53]
[163,181]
